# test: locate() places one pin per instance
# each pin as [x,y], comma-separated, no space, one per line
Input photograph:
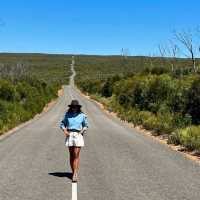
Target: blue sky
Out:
[93,27]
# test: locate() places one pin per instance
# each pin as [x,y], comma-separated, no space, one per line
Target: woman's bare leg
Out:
[71,158]
[76,159]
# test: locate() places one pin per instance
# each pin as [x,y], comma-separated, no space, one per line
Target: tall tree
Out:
[186,38]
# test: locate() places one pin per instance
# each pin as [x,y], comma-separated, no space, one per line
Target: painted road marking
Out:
[74,191]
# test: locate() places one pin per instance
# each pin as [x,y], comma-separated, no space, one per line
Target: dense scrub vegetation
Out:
[27,83]
[103,67]
[46,67]
[156,98]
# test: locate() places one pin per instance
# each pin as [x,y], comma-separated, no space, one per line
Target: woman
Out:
[74,125]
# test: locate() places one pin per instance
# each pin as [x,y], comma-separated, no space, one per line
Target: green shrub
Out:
[160,90]
[174,138]
[132,116]
[182,121]
[159,70]
[90,86]
[165,123]
[151,123]
[7,91]
[188,137]
[107,89]
[124,100]
[139,94]
[193,105]
[142,117]
[5,110]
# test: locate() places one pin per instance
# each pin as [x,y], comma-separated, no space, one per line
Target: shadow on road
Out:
[62,174]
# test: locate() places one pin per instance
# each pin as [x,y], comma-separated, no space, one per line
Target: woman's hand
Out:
[66,132]
[83,131]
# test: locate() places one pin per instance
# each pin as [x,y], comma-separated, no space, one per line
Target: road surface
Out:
[117,163]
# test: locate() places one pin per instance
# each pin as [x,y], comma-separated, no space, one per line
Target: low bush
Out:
[188,137]
[151,123]
[193,104]
[7,90]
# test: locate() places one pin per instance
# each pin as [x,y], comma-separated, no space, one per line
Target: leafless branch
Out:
[186,39]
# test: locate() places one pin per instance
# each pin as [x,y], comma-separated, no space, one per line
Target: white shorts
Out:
[74,139]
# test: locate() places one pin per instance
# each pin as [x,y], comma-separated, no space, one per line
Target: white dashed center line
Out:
[74,191]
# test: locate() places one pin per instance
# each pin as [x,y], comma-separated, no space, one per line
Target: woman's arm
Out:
[85,121]
[84,124]
[63,125]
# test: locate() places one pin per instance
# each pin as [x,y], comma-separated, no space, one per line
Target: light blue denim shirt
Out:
[74,121]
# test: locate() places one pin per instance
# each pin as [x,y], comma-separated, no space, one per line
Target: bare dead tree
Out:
[187,40]
[162,50]
[163,53]
[14,72]
[169,54]
[173,52]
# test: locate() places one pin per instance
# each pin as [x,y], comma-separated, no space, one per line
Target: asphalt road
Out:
[117,163]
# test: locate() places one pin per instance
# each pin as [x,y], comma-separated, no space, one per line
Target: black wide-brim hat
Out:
[74,103]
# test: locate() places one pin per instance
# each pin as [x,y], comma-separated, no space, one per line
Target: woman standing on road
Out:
[74,125]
